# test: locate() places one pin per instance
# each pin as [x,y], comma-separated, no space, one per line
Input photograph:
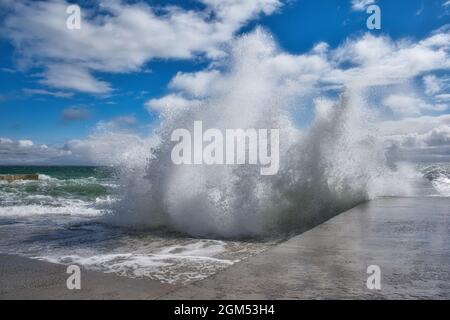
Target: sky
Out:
[61,88]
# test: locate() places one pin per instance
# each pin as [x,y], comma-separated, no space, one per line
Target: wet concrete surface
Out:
[24,278]
[408,238]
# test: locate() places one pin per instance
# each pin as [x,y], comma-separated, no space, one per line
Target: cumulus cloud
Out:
[197,84]
[423,138]
[431,146]
[119,37]
[378,61]
[443,97]
[73,77]
[418,125]
[109,148]
[27,152]
[405,104]
[108,144]
[290,74]
[363,62]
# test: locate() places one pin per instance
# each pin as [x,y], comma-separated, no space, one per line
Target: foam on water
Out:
[180,263]
[87,196]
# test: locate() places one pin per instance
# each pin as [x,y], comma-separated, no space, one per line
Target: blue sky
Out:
[35,105]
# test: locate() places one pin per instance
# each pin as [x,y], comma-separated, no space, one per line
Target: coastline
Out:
[406,237]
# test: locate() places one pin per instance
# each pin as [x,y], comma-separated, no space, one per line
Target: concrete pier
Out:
[408,238]
[24,278]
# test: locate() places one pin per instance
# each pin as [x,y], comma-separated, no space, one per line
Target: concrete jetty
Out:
[407,238]
[15,177]
[28,279]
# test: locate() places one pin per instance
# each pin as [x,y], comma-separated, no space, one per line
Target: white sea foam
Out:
[439,176]
[73,209]
[442,185]
[181,263]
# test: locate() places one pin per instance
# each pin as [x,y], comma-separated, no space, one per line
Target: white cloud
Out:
[257,58]
[363,62]
[432,84]
[377,61]
[432,146]
[106,145]
[25,143]
[197,84]
[418,125]
[58,94]
[27,152]
[405,104]
[171,101]
[443,97]
[75,78]
[360,5]
[435,137]
[122,38]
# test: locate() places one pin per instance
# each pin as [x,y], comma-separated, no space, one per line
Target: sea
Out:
[63,218]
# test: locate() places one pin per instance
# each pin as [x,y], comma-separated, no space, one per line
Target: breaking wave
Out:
[439,176]
[326,167]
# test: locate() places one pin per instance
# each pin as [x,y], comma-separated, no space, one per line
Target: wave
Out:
[71,209]
[88,196]
[326,168]
[439,176]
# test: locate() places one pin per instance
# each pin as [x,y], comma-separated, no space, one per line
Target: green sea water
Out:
[62,187]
